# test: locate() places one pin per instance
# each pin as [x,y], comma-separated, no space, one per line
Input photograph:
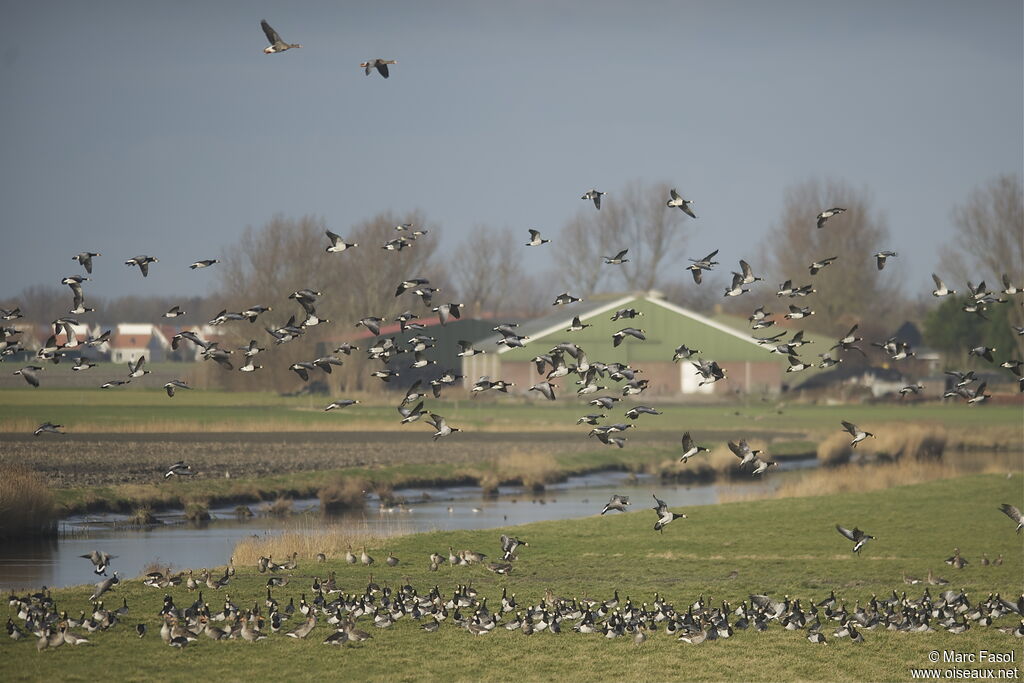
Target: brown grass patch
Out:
[309,537]
[280,507]
[345,493]
[26,503]
[534,469]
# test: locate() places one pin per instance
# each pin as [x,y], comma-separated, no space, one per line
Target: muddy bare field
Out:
[75,460]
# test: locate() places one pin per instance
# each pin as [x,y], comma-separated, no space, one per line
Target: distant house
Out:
[132,340]
[749,367]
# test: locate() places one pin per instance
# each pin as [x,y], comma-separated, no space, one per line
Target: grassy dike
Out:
[782,547]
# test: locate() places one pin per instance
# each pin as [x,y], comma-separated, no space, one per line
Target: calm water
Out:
[55,562]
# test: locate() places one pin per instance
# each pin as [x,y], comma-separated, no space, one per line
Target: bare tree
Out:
[487,270]
[851,289]
[636,218]
[41,303]
[287,255]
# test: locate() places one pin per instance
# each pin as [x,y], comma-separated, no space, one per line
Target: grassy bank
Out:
[723,552]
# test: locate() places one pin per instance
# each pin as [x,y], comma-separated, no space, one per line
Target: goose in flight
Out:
[630,331]
[595,196]
[635,412]
[1013,513]
[49,428]
[381,65]
[535,239]
[338,245]
[142,261]
[940,287]
[690,448]
[683,205]
[442,426]
[466,349]
[174,312]
[626,313]
[665,516]
[828,213]
[276,44]
[577,325]
[818,265]
[179,469]
[175,384]
[28,373]
[761,466]
[100,561]
[85,259]
[856,432]
[616,502]
[565,298]
[547,389]
[618,259]
[103,586]
[205,263]
[881,256]
[737,288]
[743,451]
[344,403]
[136,369]
[858,537]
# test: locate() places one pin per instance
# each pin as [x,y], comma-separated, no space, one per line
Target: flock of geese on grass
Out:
[343,612]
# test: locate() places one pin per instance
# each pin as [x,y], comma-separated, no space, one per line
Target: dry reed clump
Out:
[835,449]
[533,469]
[308,538]
[280,507]
[26,503]
[912,441]
[860,478]
[143,516]
[345,493]
[489,482]
[197,512]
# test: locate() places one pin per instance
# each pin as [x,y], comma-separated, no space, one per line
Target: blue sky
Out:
[161,128]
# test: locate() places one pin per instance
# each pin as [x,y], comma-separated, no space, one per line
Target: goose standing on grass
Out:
[276,44]
[665,516]
[85,259]
[535,239]
[616,502]
[381,65]
[142,261]
[690,449]
[49,428]
[856,432]
[338,245]
[828,213]
[1013,513]
[858,537]
[594,196]
[676,201]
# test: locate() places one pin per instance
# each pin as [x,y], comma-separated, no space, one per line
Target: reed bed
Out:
[308,537]
[344,493]
[27,505]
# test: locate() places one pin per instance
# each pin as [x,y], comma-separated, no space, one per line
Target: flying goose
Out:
[447,311]
[940,287]
[761,466]
[49,428]
[142,262]
[565,298]
[175,384]
[858,537]
[344,403]
[82,363]
[911,389]
[828,213]
[616,260]
[595,196]
[691,449]
[105,585]
[1008,287]
[737,288]
[535,239]
[135,369]
[371,323]
[381,65]
[115,383]
[547,389]
[748,274]
[630,331]
[665,516]
[509,545]
[637,411]
[797,312]
[276,44]
[85,259]
[1013,513]
[442,426]
[818,265]
[173,312]
[205,263]
[616,502]
[881,256]
[179,469]
[29,374]
[979,395]
[338,245]
[982,352]
[856,432]
[683,352]
[743,451]
[677,201]
[100,560]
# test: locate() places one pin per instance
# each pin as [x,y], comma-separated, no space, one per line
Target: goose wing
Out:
[270,33]
[1011,511]
[850,427]
[852,535]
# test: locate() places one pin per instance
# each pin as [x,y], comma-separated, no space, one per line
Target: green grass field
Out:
[723,552]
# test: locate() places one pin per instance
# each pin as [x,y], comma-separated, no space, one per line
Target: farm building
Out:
[131,340]
[749,367]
